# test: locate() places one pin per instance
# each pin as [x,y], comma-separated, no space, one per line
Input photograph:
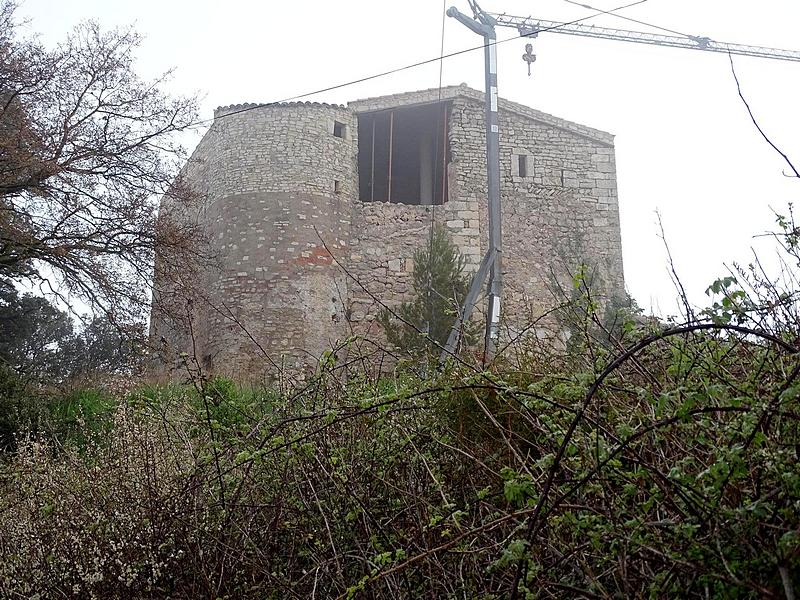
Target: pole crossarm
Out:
[528,27]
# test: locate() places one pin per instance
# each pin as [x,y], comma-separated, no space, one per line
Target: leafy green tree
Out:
[40,343]
[33,332]
[421,326]
[103,347]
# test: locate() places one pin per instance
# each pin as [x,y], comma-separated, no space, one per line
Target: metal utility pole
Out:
[484,25]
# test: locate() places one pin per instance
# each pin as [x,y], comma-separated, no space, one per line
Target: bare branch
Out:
[755,122]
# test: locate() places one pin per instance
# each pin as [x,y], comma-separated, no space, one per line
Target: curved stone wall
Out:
[278,182]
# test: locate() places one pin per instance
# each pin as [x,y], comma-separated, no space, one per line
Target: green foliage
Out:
[103,347]
[231,408]
[33,333]
[77,416]
[673,487]
[668,471]
[595,321]
[40,351]
[40,344]
[17,409]
[439,287]
[733,304]
[62,417]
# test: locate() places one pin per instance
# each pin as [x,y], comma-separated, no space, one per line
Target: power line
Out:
[529,26]
[632,20]
[412,65]
[441,48]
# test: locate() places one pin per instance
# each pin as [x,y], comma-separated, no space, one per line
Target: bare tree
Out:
[86,150]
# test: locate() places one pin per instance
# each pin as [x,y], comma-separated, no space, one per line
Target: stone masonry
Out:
[302,261]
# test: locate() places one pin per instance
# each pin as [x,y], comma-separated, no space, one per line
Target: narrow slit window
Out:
[522,164]
[339,130]
[337,186]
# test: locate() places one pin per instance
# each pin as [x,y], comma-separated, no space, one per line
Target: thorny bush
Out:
[660,461]
[672,471]
[639,464]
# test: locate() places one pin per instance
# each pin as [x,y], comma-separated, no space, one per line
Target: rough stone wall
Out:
[279,186]
[385,235]
[277,179]
[562,214]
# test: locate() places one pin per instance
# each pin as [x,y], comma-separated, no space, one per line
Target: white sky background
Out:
[685,144]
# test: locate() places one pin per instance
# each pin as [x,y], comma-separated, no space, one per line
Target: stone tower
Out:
[274,179]
[315,211]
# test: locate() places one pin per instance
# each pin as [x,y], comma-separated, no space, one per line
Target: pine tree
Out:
[422,325]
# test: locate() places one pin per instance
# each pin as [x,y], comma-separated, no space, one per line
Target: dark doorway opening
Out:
[403,154]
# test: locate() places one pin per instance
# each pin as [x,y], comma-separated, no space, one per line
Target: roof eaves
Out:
[405,98]
[449,92]
[237,108]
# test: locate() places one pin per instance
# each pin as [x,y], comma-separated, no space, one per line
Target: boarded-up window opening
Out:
[403,154]
[523,165]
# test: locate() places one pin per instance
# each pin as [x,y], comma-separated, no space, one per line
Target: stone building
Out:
[315,211]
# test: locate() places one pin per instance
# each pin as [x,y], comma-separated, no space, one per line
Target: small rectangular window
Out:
[339,129]
[337,186]
[523,164]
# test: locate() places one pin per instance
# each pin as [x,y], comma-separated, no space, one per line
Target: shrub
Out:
[675,475]
[422,325]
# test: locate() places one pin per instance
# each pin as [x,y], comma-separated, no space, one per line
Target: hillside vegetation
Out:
[660,462]
[642,460]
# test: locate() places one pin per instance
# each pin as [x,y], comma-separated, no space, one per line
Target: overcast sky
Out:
[685,145]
